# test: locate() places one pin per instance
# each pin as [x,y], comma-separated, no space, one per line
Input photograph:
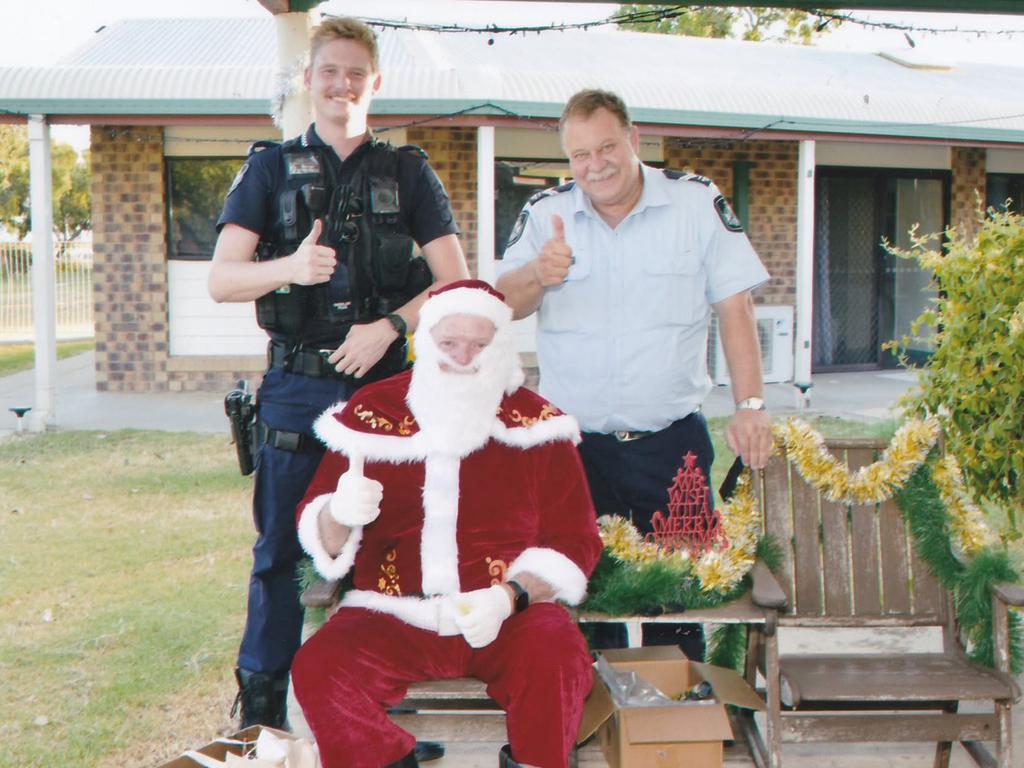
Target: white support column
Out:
[485,266]
[804,272]
[292,45]
[44,313]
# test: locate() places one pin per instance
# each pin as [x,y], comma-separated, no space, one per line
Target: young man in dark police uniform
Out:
[319,232]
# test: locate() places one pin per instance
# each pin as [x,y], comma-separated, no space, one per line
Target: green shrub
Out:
[974,380]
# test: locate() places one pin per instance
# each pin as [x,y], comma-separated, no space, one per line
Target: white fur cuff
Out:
[556,569]
[331,568]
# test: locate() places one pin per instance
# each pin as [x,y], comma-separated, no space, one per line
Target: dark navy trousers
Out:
[631,479]
[273,628]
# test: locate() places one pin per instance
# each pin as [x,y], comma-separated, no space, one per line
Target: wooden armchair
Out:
[855,566]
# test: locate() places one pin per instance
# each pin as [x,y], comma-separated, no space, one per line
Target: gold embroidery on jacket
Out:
[375,422]
[388,581]
[547,412]
[497,569]
[406,425]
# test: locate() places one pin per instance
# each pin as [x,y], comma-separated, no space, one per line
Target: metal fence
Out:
[74,295]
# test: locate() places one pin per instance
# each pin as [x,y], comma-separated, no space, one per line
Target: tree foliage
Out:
[742,21]
[72,198]
[973,381]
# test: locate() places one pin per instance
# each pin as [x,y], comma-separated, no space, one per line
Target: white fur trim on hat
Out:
[556,569]
[465,301]
[329,567]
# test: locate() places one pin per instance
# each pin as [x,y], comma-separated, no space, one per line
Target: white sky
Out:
[40,33]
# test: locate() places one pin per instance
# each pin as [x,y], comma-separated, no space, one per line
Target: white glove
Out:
[480,613]
[356,501]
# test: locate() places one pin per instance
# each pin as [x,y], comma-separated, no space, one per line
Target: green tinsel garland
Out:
[971,584]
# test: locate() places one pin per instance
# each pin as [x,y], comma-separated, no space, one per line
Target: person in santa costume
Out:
[456,500]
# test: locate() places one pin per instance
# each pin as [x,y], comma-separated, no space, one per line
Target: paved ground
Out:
[866,396]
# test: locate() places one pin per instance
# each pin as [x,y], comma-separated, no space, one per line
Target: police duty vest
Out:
[377,271]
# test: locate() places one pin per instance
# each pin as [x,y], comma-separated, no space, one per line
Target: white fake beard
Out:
[456,411]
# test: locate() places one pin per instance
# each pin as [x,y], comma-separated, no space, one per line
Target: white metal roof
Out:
[228,67]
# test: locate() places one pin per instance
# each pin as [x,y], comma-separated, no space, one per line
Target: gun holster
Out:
[240,407]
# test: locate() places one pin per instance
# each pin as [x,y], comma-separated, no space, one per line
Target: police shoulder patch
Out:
[238,177]
[725,213]
[551,191]
[518,227]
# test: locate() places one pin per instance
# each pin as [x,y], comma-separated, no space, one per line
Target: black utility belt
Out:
[300,360]
[283,440]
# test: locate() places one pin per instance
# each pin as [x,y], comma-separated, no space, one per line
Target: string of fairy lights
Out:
[627,19]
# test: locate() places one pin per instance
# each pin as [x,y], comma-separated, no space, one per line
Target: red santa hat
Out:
[466,297]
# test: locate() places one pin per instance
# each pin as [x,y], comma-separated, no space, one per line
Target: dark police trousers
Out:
[631,478]
[273,628]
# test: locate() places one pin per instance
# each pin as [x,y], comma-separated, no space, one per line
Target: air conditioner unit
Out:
[775,333]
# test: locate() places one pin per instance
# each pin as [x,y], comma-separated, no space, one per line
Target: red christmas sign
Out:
[690,525]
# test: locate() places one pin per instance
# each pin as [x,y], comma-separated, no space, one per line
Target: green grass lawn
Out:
[124,560]
[21,357]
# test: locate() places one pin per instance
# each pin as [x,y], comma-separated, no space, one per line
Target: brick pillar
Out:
[130,258]
[968,184]
[772,200]
[453,155]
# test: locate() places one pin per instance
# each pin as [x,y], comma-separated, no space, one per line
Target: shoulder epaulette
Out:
[676,175]
[551,191]
[262,144]
[414,149]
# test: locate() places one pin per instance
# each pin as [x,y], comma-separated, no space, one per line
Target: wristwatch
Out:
[522,599]
[750,404]
[397,322]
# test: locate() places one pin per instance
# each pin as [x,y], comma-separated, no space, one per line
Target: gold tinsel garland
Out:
[718,570]
[723,569]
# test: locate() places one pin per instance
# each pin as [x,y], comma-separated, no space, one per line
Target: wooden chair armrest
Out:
[765,590]
[1009,593]
[321,594]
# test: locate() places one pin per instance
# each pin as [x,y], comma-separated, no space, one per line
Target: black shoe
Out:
[409,761]
[428,750]
[262,699]
[505,758]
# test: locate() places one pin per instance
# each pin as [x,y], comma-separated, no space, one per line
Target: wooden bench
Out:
[851,567]
[460,710]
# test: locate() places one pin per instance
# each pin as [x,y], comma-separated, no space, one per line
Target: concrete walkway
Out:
[865,396]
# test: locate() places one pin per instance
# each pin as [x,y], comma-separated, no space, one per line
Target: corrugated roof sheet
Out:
[228,66]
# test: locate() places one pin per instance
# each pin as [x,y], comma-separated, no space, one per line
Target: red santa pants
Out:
[361,662]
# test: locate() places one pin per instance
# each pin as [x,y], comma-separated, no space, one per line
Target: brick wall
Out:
[968,183]
[130,272]
[771,198]
[453,156]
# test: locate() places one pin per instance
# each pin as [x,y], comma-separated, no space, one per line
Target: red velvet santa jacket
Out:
[452,524]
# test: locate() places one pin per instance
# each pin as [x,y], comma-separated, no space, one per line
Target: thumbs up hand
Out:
[551,267]
[356,501]
[312,263]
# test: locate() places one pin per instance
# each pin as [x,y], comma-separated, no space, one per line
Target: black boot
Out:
[409,761]
[429,750]
[263,699]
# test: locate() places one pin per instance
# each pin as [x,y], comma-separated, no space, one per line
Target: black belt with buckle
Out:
[629,435]
[306,362]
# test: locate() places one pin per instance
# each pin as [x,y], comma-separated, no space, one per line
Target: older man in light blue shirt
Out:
[623,267]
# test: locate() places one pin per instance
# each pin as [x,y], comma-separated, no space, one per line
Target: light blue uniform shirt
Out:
[622,343]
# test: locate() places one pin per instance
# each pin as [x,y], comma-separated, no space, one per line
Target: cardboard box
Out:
[680,733]
[239,744]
